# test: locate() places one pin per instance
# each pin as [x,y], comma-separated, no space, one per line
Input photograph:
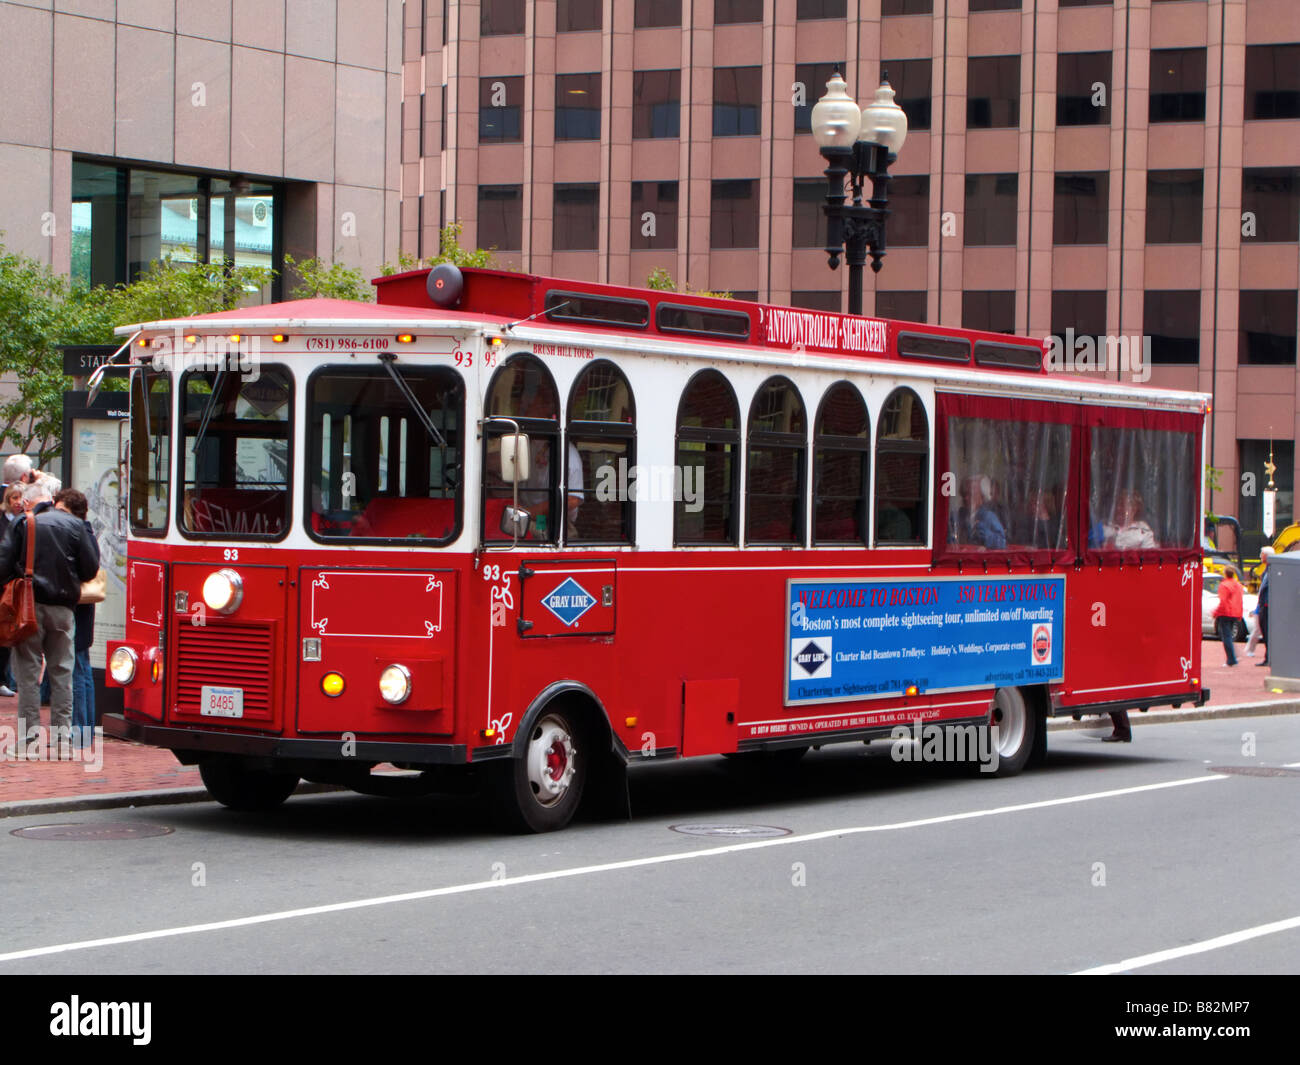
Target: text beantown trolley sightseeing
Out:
[521,531]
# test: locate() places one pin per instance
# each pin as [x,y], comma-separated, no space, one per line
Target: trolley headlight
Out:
[223,591]
[395,684]
[121,665]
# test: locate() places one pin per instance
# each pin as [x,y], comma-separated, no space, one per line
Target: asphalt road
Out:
[1105,856]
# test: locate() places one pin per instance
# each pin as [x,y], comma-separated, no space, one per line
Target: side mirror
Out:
[515,522]
[514,458]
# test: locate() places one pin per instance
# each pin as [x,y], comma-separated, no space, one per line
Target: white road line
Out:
[1143,960]
[588,870]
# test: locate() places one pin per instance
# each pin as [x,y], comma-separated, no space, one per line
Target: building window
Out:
[1081,79]
[737,101]
[1173,322]
[1273,81]
[813,78]
[500,110]
[1271,197]
[994,5]
[907,7]
[814,9]
[910,80]
[646,13]
[909,207]
[577,107]
[575,15]
[993,312]
[993,92]
[816,299]
[991,209]
[124,218]
[708,448]
[730,12]
[1177,85]
[1080,214]
[901,306]
[498,18]
[577,217]
[654,214]
[501,217]
[809,222]
[1174,206]
[656,103]
[1082,313]
[775,465]
[734,219]
[1250,509]
[1268,328]
[902,458]
[841,457]
[1084,3]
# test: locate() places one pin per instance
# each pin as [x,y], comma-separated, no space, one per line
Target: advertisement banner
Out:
[875,639]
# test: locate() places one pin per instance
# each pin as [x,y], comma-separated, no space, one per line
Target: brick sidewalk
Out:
[126,767]
[129,767]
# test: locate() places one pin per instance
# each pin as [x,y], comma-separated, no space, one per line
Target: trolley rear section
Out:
[517,556]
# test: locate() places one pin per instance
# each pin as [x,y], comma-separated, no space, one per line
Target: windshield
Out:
[151,420]
[377,472]
[237,486]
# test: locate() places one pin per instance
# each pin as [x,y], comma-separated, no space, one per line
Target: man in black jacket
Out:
[66,555]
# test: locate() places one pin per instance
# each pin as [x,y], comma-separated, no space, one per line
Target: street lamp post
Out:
[860,144]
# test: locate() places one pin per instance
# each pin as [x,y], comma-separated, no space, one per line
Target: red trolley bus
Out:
[527,531]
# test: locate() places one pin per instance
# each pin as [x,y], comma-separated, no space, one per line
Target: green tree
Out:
[449,251]
[662,281]
[335,281]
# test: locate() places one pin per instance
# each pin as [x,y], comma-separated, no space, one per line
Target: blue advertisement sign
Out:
[873,639]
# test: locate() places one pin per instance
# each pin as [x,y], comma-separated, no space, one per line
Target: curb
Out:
[1168,717]
[120,799]
[177,796]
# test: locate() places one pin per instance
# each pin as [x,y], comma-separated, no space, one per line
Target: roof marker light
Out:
[405,338]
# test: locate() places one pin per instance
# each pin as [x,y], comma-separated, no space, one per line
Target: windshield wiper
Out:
[211,406]
[388,360]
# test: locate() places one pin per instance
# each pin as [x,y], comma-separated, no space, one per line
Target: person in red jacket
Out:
[1228,612]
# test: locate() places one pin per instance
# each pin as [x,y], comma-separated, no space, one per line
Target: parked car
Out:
[1210,600]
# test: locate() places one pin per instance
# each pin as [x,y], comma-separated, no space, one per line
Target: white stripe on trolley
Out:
[858,713]
[586,870]
[1130,687]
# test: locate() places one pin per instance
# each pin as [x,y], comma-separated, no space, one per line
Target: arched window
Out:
[708,450]
[841,462]
[778,449]
[601,453]
[902,460]
[522,390]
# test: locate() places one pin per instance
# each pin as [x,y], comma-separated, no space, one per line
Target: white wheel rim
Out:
[1011,719]
[550,761]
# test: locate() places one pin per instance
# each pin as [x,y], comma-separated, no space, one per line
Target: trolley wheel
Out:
[540,792]
[1240,634]
[236,786]
[1018,726]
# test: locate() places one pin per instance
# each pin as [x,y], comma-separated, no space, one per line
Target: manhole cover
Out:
[734,831]
[103,830]
[1255,770]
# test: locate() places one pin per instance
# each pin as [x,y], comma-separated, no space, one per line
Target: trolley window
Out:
[151,451]
[902,461]
[602,481]
[778,448]
[708,454]
[523,391]
[378,474]
[841,462]
[236,441]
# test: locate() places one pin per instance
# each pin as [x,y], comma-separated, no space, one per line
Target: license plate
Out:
[221,702]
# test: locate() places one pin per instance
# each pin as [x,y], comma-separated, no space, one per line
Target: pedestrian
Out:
[1228,613]
[73,502]
[13,505]
[16,469]
[66,555]
[1262,608]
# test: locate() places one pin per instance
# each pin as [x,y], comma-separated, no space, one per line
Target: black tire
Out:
[541,791]
[1018,723]
[1240,634]
[235,786]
